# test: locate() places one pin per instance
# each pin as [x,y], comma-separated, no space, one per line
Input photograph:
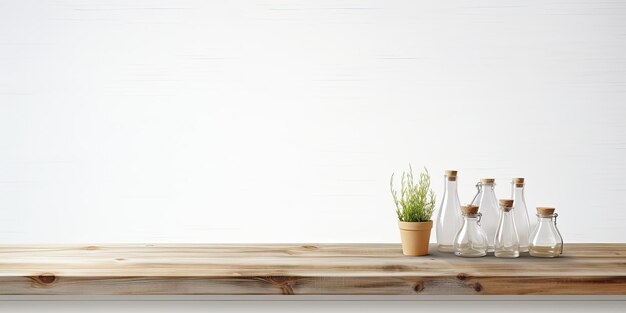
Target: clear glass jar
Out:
[470,240]
[546,240]
[520,212]
[507,240]
[488,203]
[449,217]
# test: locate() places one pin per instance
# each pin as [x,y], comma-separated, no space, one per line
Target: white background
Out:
[282,121]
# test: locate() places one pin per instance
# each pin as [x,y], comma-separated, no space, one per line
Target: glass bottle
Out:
[507,240]
[520,212]
[546,240]
[470,240]
[449,217]
[488,203]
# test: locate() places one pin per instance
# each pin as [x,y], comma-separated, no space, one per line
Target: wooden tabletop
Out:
[310,269]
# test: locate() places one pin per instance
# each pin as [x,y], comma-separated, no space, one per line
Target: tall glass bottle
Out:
[488,203]
[470,241]
[546,240]
[521,213]
[449,217]
[507,240]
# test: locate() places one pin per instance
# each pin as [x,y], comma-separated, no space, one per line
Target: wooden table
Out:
[311,269]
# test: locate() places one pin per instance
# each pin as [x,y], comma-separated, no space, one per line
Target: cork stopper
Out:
[451,175]
[518,181]
[487,181]
[545,211]
[469,209]
[506,204]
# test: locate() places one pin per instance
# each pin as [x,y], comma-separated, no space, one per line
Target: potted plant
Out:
[415,207]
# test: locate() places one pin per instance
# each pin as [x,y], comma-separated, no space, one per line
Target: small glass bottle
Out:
[546,240]
[449,217]
[488,203]
[520,212]
[470,241]
[507,240]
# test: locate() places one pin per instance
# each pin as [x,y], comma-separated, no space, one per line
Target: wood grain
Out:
[326,269]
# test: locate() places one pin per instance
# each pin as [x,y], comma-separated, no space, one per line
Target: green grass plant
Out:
[416,202]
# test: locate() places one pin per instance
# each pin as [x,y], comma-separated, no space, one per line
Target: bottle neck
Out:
[471,219]
[488,191]
[518,193]
[546,218]
[451,187]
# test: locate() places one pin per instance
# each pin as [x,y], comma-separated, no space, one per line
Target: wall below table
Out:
[313,306]
[282,121]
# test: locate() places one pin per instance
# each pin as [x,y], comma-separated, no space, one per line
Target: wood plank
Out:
[311,269]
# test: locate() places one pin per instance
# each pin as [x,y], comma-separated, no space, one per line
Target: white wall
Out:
[281,121]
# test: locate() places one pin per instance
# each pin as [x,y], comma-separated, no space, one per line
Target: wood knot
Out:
[44,279]
[461,276]
[310,247]
[478,287]
[282,282]
[418,287]
[120,259]
[91,248]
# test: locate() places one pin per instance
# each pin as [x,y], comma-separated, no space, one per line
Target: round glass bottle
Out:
[507,240]
[449,217]
[546,240]
[520,212]
[470,240]
[488,203]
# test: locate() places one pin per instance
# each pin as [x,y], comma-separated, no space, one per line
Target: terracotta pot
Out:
[415,237]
